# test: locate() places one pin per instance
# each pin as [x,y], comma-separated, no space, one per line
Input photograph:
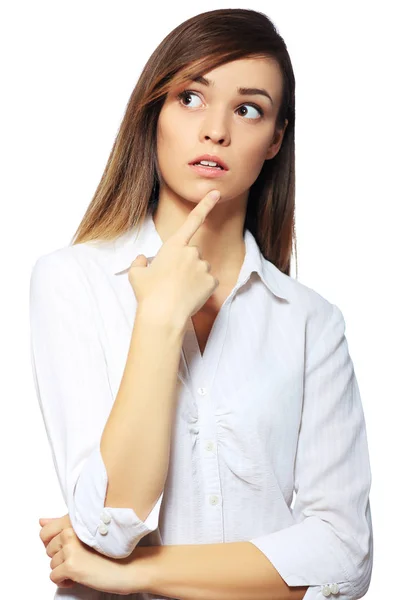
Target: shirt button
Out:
[214,499]
[202,391]
[105,517]
[210,446]
[103,528]
[334,588]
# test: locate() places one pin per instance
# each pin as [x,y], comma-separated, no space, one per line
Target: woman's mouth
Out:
[205,171]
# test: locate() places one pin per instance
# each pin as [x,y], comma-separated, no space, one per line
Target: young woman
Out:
[189,385]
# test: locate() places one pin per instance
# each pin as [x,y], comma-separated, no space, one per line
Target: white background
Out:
[68,69]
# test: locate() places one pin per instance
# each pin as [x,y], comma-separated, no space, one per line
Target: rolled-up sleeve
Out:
[330,545]
[72,386]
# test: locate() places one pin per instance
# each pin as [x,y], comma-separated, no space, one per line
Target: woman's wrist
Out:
[139,569]
[159,316]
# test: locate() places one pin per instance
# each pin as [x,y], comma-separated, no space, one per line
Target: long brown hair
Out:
[128,189]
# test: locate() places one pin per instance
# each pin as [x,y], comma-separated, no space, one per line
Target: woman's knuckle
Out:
[70,565]
[42,536]
[67,534]
[195,251]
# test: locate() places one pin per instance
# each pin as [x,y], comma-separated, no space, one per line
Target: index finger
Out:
[196,217]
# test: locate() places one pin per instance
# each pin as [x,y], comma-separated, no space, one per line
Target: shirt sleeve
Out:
[72,386]
[330,545]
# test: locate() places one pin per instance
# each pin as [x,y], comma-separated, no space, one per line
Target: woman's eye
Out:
[186,93]
[260,112]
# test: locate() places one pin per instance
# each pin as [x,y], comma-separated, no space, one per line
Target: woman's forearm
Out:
[135,444]
[230,571]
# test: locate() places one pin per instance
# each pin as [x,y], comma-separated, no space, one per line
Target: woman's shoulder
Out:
[298,294]
[307,308]
[74,261]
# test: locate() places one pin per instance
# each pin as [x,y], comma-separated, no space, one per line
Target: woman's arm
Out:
[135,443]
[230,571]
[71,378]
[329,545]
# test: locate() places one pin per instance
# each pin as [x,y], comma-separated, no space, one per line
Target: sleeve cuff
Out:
[310,554]
[114,532]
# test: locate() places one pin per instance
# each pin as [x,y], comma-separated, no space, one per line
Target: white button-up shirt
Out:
[272,407]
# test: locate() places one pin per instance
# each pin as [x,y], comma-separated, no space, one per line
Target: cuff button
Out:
[105,517]
[103,529]
[334,588]
[326,591]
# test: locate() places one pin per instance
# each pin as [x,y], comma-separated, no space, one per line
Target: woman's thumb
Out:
[140,261]
[46,520]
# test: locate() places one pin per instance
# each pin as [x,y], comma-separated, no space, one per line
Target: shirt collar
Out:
[146,240]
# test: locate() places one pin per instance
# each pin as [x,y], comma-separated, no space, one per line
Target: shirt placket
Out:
[199,375]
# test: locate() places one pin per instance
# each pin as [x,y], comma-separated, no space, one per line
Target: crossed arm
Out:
[229,571]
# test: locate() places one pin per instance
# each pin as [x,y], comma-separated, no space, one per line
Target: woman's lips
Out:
[208,171]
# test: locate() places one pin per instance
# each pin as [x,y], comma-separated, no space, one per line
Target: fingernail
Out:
[215,194]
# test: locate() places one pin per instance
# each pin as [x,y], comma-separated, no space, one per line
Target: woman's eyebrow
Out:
[240,90]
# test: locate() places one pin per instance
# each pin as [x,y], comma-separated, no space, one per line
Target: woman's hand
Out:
[50,528]
[72,561]
[178,282]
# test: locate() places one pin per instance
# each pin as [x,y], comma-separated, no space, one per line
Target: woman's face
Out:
[216,119]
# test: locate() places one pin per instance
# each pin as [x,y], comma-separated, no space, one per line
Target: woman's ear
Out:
[276,145]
